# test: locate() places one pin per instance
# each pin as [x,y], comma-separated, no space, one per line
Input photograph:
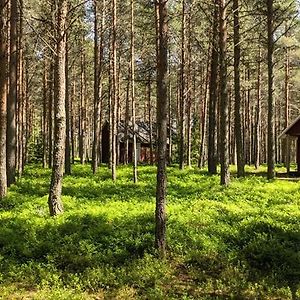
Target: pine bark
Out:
[45,106]
[83,108]
[11,141]
[224,128]
[287,105]
[50,114]
[3,87]
[170,152]
[68,168]
[73,119]
[182,114]
[132,45]
[54,201]
[237,89]
[257,128]
[162,122]
[189,104]
[20,93]
[150,120]
[203,114]
[114,93]
[213,96]
[98,61]
[271,109]
[127,120]
[96,89]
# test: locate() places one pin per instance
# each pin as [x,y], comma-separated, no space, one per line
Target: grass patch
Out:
[241,242]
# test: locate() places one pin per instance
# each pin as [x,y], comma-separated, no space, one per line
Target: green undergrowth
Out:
[240,242]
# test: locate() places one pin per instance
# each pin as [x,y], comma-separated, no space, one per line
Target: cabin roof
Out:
[293,130]
[142,131]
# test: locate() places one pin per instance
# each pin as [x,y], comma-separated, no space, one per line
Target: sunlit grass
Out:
[242,241]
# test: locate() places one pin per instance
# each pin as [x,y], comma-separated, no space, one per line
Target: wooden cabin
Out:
[292,133]
[143,142]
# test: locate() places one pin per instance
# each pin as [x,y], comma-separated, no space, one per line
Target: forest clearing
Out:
[240,242]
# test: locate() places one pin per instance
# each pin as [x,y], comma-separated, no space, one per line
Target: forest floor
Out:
[241,242]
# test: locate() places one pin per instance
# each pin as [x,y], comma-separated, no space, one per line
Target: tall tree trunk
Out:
[247,117]
[213,96]
[203,114]
[68,118]
[98,61]
[127,120]
[257,127]
[287,145]
[3,86]
[162,123]
[224,144]
[110,97]
[11,141]
[83,108]
[23,115]
[237,88]
[20,93]
[114,92]
[54,201]
[271,142]
[150,120]
[182,114]
[45,123]
[50,115]
[189,107]
[27,115]
[73,121]
[118,110]
[169,125]
[132,46]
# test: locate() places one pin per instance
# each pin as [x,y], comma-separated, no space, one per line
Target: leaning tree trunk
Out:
[271,143]
[3,85]
[162,124]
[54,201]
[11,141]
[224,128]
[213,96]
[237,89]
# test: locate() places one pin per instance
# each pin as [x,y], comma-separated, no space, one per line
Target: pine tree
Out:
[54,201]
[3,86]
